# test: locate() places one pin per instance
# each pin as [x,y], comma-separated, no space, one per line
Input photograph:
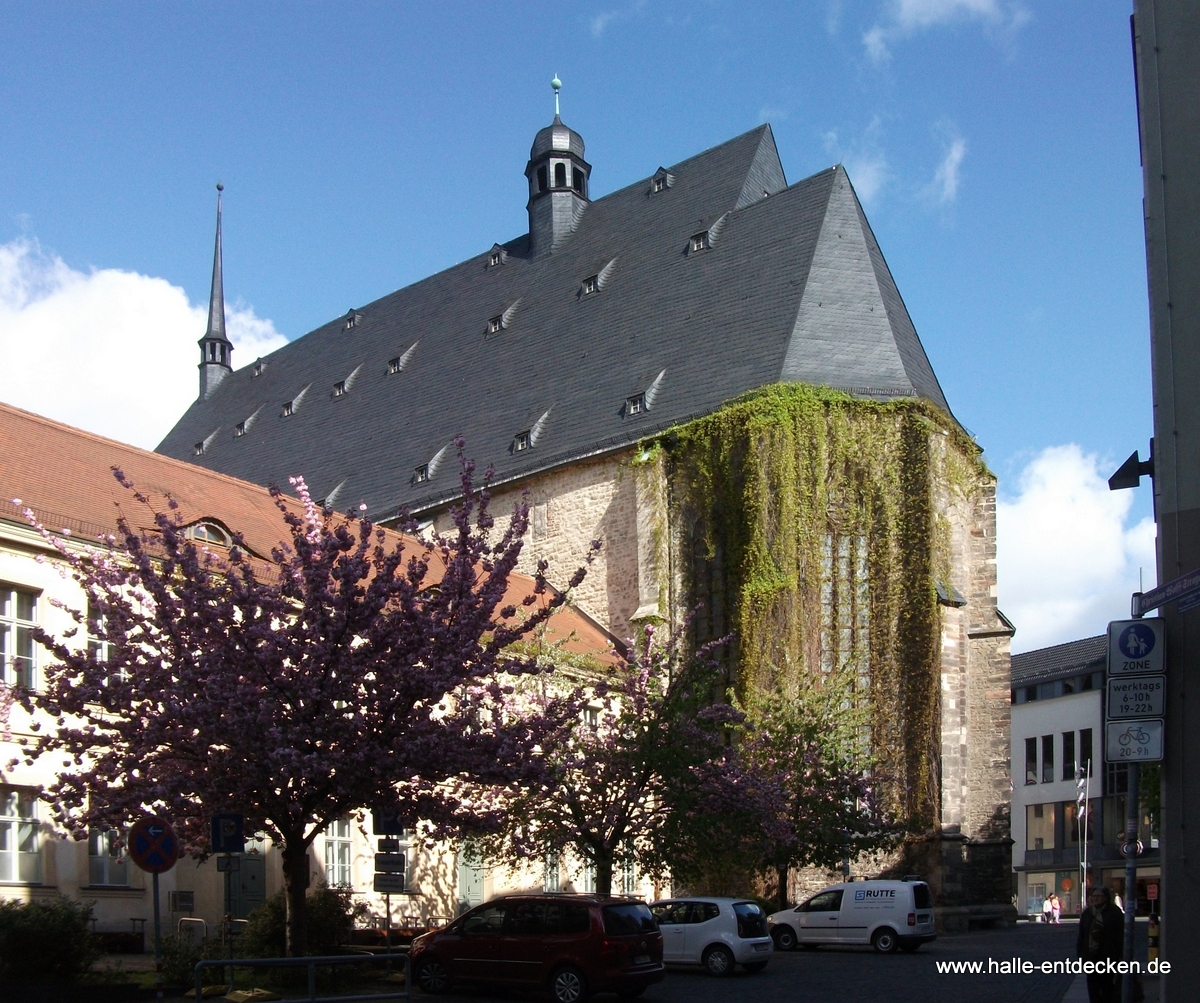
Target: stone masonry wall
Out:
[569,508]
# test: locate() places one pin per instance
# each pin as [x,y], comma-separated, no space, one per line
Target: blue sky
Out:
[364,146]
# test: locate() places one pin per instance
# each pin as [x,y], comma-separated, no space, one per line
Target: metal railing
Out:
[312,964]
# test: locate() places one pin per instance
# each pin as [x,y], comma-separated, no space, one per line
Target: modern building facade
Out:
[1058,766]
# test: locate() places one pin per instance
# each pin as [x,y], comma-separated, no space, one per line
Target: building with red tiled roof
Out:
[66,477]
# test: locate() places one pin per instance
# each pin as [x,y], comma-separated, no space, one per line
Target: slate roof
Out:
[65,475]
[794,287]
[1060,660]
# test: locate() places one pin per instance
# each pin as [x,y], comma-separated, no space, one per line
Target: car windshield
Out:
[750,919]
[630,918]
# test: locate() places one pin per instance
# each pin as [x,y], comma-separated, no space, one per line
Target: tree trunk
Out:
[295,886]
[782,893]
[604,871]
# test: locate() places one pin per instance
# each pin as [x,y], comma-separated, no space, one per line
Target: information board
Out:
[1136,696]
[1135,647]
[1134,741]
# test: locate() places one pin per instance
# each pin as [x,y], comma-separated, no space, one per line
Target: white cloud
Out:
[601,21]
[863,159]
[110,351]
[904,18]
[945,179]
[1068,558]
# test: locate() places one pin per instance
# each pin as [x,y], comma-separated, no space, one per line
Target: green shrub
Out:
[180,956]
[331,918]
[49,937]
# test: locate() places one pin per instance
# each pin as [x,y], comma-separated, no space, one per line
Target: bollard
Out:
[1153,953]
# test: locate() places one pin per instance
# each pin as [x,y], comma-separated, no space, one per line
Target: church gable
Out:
[842,336]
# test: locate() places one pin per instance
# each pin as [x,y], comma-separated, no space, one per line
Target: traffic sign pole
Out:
[158,977]
[154,847]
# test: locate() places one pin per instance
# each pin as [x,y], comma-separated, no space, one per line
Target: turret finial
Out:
[557,85]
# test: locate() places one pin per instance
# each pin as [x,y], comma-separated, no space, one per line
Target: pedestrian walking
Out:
[1101,937]
[1055,908]
[1047,909]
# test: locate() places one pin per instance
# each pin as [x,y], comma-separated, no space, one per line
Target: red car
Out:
[573,944]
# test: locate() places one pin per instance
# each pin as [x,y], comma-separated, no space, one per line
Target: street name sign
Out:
[1136,647]
[389,884]
[1134,741]
[391,863]
[1182,587]
[1136,696]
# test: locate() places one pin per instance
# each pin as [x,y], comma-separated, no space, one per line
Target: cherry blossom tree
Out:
[809,749]
[353,667]
[644,743]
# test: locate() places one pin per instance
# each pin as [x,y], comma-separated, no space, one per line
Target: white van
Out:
[885,914]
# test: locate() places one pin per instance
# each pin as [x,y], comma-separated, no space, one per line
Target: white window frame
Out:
[20,843]
[107,867]
[18,650]
[339,854]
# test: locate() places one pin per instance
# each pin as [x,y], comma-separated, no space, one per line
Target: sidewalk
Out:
[1078,991]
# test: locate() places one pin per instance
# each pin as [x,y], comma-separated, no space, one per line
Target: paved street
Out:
[833,974]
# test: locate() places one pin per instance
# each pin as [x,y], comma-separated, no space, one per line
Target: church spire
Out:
[216,351]
[216,299]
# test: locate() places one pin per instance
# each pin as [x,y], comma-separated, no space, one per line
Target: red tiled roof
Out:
[66,476]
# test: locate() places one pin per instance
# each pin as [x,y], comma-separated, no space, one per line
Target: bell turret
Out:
[216,350]
[558,182]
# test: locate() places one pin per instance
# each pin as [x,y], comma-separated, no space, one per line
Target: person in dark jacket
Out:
[1101,937]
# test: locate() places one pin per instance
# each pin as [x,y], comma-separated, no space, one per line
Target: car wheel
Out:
[785,938]
[568,986]
[755,966]
[718,960]
[432,977]
[885,940]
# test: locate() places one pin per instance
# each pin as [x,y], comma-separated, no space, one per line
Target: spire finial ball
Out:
[556,83]
[220,187]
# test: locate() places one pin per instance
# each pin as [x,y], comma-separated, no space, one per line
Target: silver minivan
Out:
[885,914]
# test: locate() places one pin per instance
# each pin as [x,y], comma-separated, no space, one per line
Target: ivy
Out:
[796,505]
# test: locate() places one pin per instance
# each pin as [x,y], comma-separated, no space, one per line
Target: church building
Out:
[712,372]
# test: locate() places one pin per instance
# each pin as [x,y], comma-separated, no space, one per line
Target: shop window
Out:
[1039,826]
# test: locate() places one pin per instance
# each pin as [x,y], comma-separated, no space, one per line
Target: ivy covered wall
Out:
[804,521]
